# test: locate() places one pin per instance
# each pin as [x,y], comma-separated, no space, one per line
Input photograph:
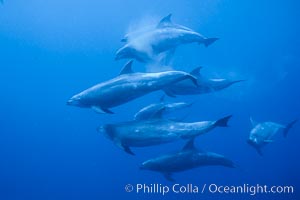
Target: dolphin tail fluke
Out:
[223,122]
[288,127]
[209,41]
[237,81]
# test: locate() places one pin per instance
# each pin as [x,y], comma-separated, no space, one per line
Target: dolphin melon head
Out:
[108,131]
[76,100]
[147,165]
[152,165]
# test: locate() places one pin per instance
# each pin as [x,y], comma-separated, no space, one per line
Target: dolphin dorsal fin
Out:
[165,22]
[253,122]
[196,71]
[127,69]
[189,145]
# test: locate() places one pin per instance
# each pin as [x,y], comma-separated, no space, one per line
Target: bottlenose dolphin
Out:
[263,133]
[160,42]
[188,158]
[165,21]
[206,85]
[155,131]
[150,110]
[125,87]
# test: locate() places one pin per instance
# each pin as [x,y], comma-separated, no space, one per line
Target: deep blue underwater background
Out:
[51,50]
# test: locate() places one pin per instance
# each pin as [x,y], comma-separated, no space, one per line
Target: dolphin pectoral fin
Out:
[98,110]
[106,110]
[158,114]
[124,147]
[127,69]
[169,93]
[169,177]
[128,150]
[124,40]
[165,57]
[209,41]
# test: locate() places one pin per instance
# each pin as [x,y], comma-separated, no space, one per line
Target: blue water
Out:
[51,50]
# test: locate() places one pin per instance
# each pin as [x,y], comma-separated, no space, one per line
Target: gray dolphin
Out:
[165,21]
[188,158]
[125,87]
[263,133]
[206,85]
[150,110]
[155,131]
[160,42]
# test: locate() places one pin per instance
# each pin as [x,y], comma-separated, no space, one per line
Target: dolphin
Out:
[165,21]
[155,131]
[160,42]
[263,133]
[125,87]
[188,158]
[150,110]
[206,85]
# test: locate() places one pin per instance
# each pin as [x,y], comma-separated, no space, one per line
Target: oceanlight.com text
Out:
[252,190]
